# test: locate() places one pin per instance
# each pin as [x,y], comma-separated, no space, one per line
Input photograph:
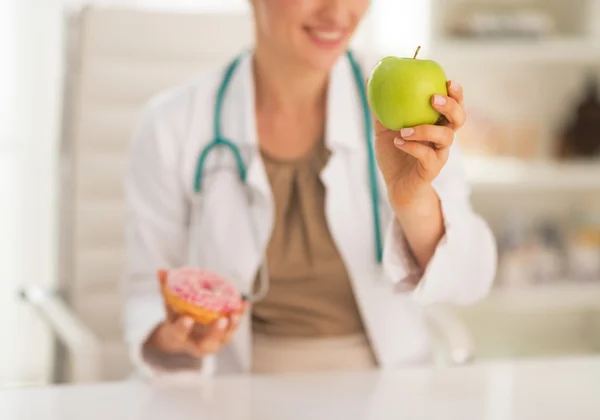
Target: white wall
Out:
[401,26]
[30,73]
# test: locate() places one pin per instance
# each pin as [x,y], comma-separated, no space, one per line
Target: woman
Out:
[293,108]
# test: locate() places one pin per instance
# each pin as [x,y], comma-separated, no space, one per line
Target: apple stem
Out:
[417,52]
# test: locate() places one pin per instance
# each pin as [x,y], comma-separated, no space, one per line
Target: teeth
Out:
[328,35]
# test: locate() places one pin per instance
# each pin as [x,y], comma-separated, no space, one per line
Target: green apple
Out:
[400,91]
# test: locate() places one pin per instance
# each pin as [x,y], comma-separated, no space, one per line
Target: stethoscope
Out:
[220,141]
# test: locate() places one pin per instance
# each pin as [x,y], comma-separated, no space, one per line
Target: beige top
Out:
[310,294]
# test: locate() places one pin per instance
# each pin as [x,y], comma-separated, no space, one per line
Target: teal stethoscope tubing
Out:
[219,140]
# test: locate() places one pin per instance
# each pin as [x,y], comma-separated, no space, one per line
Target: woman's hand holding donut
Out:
[182,336]
[412,158]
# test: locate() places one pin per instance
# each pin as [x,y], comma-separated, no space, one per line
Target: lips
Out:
[326,37]
[330,36]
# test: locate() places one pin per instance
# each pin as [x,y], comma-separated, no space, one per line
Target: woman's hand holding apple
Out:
[410,159]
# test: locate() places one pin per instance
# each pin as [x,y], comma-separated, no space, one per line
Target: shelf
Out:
[576,50]
[514,174]
[560,296]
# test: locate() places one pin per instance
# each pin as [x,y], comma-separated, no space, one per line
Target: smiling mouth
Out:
[327,37]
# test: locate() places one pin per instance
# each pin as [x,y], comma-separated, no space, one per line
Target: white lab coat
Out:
[169,226]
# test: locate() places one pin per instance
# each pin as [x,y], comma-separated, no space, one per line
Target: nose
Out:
[335,12]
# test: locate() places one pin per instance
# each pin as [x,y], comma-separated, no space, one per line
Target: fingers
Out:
[440,136]
[234,322]
[452,106]
[423,153]
[211,341]
[181,329]
[430,159]
[455,91]
[171,337]
[450,109]
[217,334]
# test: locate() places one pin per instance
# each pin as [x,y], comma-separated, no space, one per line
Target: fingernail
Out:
[188,322]
[454,86]
[405,132]
[439,100]
[222,323]
[398,141]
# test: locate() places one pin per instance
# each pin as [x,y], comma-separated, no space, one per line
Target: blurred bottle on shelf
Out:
[581,136]
[583,246]
[530,254]
[551,254]
[514,269]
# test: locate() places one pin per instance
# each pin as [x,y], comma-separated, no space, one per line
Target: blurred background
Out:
[73,75]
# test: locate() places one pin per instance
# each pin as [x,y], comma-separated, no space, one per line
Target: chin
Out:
[321,49]
[324,62]
[321,59]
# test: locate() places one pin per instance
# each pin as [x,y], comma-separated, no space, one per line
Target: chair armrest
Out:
[83,345]
[453,339]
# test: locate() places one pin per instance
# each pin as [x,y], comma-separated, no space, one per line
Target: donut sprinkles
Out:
[204,289]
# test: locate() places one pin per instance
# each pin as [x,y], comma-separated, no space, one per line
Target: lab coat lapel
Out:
[257,175]
[259,189]
[345,175]
[348,202]
[258,202]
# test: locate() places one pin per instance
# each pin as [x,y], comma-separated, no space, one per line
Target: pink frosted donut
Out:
[204,289]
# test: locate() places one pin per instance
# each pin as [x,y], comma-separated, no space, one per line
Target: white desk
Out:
[549,390]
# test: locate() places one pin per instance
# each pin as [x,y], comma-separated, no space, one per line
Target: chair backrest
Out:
[117,59]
